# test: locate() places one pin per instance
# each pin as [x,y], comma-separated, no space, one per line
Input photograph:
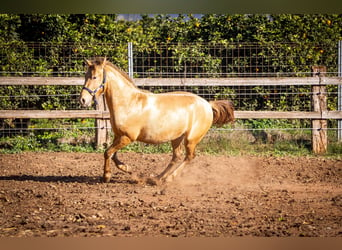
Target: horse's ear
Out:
[104,61]
[88,62]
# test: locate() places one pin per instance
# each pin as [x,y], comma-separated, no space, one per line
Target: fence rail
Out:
[241,81]
[319,115]
[99,114]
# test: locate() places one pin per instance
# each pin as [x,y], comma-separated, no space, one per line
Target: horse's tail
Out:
[223,112]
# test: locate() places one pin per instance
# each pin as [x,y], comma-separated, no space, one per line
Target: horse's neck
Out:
[119,91]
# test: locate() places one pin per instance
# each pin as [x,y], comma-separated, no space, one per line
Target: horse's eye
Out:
[94,77]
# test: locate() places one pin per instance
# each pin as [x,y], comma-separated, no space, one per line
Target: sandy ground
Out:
[61,194]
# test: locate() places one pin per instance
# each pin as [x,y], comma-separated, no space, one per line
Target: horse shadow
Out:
[91,180]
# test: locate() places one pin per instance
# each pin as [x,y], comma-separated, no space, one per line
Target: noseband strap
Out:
[93,92]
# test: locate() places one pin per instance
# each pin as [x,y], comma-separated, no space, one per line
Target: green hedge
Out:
[304,30]
[253,45]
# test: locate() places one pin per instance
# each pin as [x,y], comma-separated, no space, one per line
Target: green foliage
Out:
[286,42]
[39,97]
[322,29]
[18,144]
[8,27]
[250,143]
[34,45]
[140,147]
[47,135]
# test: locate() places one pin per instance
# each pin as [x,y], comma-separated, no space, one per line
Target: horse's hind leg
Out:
[190,154]
[176,147]
[170,173]
[119,142]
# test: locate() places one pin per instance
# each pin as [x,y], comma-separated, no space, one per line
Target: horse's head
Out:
[95,79]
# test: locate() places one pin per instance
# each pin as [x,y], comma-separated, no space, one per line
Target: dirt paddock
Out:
[60,194]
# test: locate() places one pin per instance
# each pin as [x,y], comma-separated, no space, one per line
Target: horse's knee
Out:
[108,153]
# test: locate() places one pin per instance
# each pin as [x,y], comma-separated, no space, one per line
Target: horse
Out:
[140,115]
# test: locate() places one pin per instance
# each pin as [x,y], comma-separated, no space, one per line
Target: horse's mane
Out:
[99,61]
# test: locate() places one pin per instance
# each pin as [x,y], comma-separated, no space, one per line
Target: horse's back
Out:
[177,99]
[184,111]
[193,104]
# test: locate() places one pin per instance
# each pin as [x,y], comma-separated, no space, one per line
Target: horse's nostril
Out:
[82,101]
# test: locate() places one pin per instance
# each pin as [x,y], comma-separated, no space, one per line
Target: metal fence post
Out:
[339,95]
[130,59]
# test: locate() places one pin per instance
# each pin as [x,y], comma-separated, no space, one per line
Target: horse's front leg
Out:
[119,142]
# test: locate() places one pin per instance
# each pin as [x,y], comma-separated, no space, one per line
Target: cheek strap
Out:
[93,92]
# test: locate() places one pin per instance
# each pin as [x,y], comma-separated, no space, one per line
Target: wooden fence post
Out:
[319,104]
[102,126]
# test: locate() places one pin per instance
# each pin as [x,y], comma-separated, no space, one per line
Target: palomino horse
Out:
[138,115]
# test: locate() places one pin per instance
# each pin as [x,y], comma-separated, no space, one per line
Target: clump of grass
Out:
[256,142]
[140,147]
[18,144]
[335,149]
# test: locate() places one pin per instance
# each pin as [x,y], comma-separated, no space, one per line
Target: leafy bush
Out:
[251,45]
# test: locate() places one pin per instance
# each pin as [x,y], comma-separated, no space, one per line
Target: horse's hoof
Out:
[106,178]
[170,178]
[125,168]
[153,181]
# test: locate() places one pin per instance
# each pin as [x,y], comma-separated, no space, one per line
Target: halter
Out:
[93,92]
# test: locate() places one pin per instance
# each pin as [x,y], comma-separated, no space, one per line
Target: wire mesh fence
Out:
[54,59]
[166,61]
[281,98]
[25,97]
[232,60]
[271,98]
[170,60]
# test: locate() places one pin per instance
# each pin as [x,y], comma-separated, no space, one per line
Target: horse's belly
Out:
[161,133]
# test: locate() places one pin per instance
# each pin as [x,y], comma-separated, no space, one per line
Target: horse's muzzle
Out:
[85,100]
[82,102]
